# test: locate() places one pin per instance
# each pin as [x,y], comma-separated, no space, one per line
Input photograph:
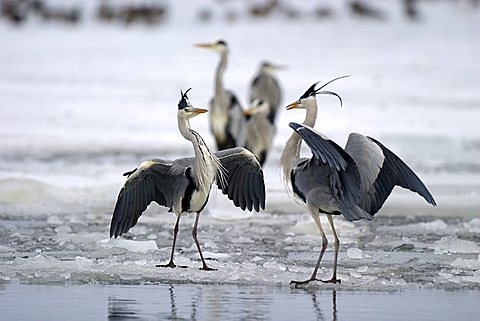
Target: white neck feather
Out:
[207,166]
[291,152]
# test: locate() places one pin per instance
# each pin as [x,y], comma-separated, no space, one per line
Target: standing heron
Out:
[266,87]
[226,119]
[183,185]
[354,181]
[259,130]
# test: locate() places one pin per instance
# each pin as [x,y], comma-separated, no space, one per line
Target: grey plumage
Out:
[226,114]
[267,88]
[354,182]
[363,181]
[166,183]
[183,185]
[259,130]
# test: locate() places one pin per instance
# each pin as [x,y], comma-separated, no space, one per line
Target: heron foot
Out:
[300,283]
[332,280]
[206,268]
[171,265]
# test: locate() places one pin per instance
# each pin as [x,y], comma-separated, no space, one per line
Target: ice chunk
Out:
[466,263]
[362,269]
[355,274]
[83,262]
[129,245]
[354,253]
[473,226]
[304,227]
[437,225]
[272,265]
[211,255]
[63,229]
[449,244]
[475,278]
[54,220]
[4,249]
[256,259]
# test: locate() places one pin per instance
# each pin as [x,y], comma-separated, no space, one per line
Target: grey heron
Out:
[266,87]
[259,130]
[183,185]
[226,118]
[354,182]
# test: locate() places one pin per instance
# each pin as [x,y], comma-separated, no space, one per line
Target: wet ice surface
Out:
[269,249]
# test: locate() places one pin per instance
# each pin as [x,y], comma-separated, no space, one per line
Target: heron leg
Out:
[336,245]
[175,232]
[316,218]
[194,234]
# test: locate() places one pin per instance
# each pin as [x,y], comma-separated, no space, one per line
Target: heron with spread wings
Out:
[183,185]
[354,182]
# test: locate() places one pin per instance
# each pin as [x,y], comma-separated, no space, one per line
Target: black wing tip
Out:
[129,173]
[430,200]
[295,126]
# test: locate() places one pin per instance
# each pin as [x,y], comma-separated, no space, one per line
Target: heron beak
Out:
[295,104]
[199,110]
[279,67]
[248,112]
[204,45]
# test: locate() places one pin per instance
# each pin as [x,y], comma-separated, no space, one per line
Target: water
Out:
[214,302]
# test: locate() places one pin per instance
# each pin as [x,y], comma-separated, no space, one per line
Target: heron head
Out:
[312,92]
[258,106]
[185,108]
[216,46]
[269,67]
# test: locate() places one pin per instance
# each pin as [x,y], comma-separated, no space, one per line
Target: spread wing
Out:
[344,175]
[381,170]
[155,180]
[243,178]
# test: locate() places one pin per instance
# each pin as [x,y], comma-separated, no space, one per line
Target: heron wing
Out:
[236,119]
[344,176]
[243,178]
[266,87]
[368,156]
[154,180]
[379,181]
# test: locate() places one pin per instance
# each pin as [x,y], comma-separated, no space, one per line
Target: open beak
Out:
[293,105]
[204,45]
[199,110]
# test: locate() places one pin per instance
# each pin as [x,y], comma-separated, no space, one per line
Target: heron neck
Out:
[222,65]
[291,152]
[312,109]
[206,166]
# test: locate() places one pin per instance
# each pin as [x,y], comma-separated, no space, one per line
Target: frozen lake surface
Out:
[81,105]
